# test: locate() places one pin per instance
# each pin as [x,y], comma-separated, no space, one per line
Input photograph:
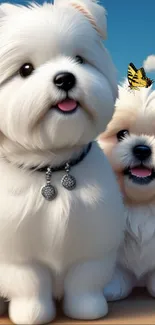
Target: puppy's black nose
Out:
[65,81]
[142,152]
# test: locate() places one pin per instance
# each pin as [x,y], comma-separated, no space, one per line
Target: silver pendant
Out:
[68,181]
[49,192]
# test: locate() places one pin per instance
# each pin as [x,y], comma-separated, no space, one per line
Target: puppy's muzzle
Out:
[140,174]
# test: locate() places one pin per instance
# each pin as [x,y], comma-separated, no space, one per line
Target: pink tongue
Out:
[141,172]
[67,105]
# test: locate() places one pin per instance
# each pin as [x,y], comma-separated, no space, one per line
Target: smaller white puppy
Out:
[129,143]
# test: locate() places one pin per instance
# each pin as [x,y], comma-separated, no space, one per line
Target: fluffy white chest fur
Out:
[137,251]
[78,224]
[74,236]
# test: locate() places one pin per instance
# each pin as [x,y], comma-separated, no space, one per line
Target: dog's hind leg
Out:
[29,289]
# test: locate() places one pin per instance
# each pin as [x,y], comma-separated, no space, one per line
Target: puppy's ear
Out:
[94,12]
[99,15]
[8,9]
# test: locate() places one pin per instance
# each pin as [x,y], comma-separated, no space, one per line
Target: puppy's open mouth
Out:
[67,106]
[140,174]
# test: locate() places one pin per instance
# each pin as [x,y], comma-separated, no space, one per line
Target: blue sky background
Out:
[131,26]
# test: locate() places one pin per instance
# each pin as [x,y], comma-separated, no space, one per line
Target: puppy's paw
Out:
[89,306]
[31,311]
[120,286]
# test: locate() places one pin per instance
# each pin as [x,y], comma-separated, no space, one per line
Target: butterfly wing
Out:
[135,84]
[149,82]
[137,78]
[142,73]
[140,79]
[132,71]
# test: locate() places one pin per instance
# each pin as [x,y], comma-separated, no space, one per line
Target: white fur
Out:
[67,246]
[135,111]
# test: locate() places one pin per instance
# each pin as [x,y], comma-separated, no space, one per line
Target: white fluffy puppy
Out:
[60,210]
[129,143]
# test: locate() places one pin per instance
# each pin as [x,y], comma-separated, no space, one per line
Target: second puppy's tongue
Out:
[141,172]
[67,105]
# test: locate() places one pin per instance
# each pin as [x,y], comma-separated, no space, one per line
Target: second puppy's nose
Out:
[65,81]
[142,152]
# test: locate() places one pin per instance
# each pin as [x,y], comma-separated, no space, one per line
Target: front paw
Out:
[85,306]
[31,311]
[120,286]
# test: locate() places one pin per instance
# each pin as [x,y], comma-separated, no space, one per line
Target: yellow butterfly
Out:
[137,78]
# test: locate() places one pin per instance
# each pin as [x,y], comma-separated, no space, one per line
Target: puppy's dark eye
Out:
[122,134]
[79,59]
[26,70]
